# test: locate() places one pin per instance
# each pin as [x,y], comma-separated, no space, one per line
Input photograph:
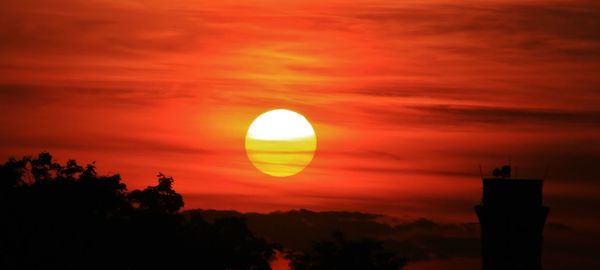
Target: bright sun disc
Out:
[281,142]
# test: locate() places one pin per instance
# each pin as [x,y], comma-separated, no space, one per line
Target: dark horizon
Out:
[424,243]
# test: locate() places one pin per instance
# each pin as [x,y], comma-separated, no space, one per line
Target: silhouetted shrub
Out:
[160,198]
[342,254]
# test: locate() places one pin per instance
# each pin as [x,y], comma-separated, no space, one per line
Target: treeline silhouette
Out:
[66,216]
[418,240]
[341,253]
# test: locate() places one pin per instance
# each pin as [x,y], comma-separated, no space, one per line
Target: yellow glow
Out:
[280,143]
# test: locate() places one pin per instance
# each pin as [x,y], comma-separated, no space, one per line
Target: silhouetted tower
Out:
[512,217]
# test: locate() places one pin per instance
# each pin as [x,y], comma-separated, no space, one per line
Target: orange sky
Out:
[407,99]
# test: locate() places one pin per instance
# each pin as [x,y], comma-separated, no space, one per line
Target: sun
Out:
[281,143]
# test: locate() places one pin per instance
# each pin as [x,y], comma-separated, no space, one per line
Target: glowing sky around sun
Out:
[407,98]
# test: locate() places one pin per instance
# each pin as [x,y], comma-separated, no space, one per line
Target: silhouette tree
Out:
[11,174]
[160,198]
[341,254]
[239,247]
[55,216]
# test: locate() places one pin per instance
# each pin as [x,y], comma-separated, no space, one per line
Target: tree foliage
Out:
[66,216]
[160,198]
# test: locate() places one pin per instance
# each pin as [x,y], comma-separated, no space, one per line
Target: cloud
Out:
[411,171]
[93,94]
[460,115]
[505,20]
[473,116]
[75,29]
[113,144]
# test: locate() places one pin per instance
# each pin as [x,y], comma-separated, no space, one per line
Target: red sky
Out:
[407,99]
